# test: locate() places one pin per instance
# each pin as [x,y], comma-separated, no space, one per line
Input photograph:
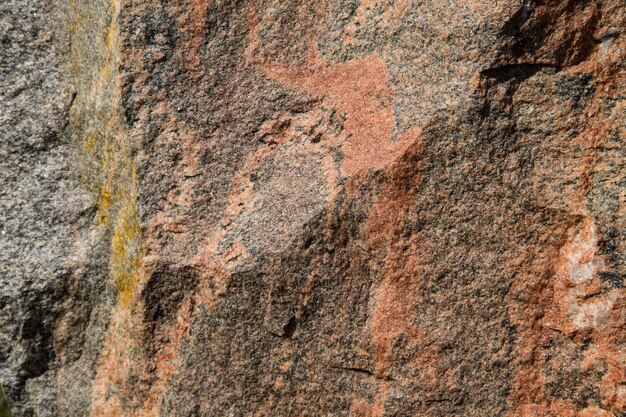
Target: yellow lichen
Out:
[103,148]
[91,140]
[126,246]
[104,204]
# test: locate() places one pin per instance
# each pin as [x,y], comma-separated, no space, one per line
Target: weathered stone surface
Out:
[313,208]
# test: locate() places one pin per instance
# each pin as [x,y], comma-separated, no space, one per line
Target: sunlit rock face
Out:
[313,208]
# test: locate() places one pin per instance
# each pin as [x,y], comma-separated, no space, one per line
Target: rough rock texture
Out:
[313,208]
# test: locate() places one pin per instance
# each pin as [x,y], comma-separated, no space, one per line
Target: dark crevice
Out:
[363,371]
[290,328]
[594,294]
[72,101]
[517,71]
[358,370]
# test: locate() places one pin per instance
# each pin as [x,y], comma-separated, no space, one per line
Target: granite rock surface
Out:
[313,208]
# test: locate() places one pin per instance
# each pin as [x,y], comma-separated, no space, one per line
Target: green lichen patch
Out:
[5,410]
